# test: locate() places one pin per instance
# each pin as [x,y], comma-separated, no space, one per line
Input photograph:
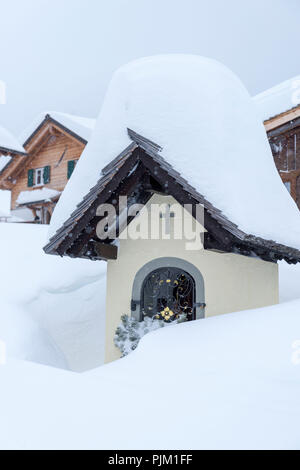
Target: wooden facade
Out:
[52,150]
[284,136]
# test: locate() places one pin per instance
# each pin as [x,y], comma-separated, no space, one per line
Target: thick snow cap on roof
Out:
[206,122]
[278,99]
[9,142]
[81,126]
[44,194]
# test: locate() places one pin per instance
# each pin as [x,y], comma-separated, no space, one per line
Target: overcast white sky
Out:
[60,54]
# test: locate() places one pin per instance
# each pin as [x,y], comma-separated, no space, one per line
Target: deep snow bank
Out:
[226,382]
[4,201]
[52,309]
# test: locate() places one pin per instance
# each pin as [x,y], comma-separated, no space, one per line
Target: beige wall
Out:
[232,282]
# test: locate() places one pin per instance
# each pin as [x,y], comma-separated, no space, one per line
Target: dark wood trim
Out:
[105,251]
[211,244]
[89,232]
[138,172]
[7,152]
[49,119]
[101,198]
[289,126]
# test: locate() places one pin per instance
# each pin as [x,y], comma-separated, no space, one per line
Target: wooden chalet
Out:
[279,108]
[36,178]
[10,150]
[283,132]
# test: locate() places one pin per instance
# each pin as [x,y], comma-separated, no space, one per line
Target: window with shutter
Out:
[71,166]
[46,174]
[30,175]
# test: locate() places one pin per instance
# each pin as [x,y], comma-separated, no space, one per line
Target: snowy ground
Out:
[52,309]
[226,382]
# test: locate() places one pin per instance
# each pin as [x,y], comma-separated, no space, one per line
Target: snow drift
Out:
[5,197]
[229,382]
[52,309]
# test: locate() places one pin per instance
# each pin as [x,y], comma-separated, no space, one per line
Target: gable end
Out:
[139,172]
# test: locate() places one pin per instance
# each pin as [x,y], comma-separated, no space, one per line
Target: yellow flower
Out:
[168,280]
[162,313]
[167,317]
[167,309]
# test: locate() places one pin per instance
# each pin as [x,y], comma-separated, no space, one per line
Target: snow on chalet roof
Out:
[81,126]
[9,143]
[202,116]
[37,195]
[278,99]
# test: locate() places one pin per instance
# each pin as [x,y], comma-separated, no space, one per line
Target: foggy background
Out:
[60,54]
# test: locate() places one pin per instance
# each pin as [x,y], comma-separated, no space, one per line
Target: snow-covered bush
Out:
[130,331]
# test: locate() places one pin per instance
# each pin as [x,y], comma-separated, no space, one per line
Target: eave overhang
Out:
[50,120]
[7,151]
[138,172]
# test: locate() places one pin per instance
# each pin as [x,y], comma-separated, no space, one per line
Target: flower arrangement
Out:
[130,331]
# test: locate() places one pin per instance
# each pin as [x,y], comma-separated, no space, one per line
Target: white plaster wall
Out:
[232,282]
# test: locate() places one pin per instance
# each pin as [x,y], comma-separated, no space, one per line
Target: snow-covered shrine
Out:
[179,134]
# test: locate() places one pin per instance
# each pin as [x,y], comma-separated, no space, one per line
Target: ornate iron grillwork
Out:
[168,290]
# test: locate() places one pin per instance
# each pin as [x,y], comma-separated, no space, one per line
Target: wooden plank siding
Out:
[285,146]
[283,131]
[49,154]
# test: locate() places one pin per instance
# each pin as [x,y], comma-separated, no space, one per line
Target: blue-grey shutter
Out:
[46,174]
[30,175]
[71,166]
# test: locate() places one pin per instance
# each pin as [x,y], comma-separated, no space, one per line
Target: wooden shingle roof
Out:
[49,119]
[139,171]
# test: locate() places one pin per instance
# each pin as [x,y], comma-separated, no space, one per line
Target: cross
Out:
[167,215]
